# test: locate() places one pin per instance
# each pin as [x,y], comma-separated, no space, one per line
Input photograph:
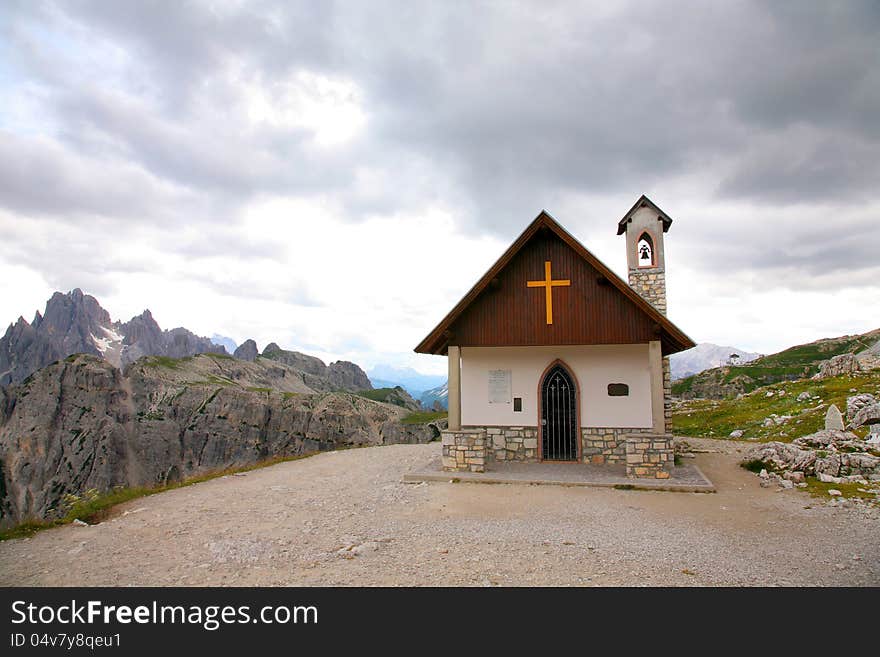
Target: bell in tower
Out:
[646,251]
[644,226]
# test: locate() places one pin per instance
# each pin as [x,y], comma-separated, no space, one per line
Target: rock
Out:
[804,396]
[348,376]
[825,438]
[782,393]
[868,414]
[247,350]
[828,464]
[855,403]
[737,433]
[833,492]
[769,393]
[833,419]
[783,456]
[794,476]
[869,359]
[828,479]
[785,483]
[776,420]
[842,364]
[363,548]
[80,523]
[859,464]
[763,474]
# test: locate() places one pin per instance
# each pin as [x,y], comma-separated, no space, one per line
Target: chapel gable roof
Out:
[652,324]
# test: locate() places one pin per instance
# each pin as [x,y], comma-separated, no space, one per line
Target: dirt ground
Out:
[346,518]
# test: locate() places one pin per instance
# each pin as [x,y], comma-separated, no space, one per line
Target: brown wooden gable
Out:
[596,308]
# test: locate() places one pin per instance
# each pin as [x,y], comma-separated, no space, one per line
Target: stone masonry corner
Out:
[649,455]
[464,450]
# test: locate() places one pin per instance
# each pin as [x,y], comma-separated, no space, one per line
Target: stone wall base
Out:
[464,450]
[649,455]
[599,445]
[606,445]
[512,443]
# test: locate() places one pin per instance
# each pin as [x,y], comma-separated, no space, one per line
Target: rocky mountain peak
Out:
[247,350]
[76,323]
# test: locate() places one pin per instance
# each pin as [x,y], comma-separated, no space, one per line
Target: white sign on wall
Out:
[500,388]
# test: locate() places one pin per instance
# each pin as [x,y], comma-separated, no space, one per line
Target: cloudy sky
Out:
[335,176]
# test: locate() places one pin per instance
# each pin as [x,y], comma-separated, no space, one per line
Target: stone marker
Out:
[833,418]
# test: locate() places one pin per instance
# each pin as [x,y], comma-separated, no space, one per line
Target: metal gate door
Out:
[559,416]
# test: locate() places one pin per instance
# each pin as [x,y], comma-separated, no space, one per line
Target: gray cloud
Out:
[494,110]
[512,102]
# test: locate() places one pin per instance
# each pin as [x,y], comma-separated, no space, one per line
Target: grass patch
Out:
[94,506]
[624,487]
[211,354]
[376,394]
[820,489]
[213,380]
[165,362]
[423,417]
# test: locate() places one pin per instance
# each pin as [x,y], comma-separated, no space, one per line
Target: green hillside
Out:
[791,364]
[716,418]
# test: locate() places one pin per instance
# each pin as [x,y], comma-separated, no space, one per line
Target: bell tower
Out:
[644,226]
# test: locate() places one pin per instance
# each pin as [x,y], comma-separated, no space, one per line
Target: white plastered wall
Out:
[594,366]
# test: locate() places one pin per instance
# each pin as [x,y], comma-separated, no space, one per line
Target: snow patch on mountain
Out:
[110,345]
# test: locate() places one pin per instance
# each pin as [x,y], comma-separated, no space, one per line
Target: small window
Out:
[517,404]
[618,390]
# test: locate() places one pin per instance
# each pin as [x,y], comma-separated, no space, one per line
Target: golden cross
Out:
[548,283]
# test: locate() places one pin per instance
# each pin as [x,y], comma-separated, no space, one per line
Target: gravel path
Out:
[345,518]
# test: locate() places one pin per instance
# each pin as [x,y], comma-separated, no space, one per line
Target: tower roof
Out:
[644,202]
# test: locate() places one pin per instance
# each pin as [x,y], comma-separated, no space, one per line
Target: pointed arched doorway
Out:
[559,414]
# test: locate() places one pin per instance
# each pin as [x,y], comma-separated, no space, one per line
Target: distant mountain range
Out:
[415,383]
[706,356]
[440,394]
[75,323]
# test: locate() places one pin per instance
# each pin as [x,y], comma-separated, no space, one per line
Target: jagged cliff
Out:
[341,375]
[81,423]
[76,323]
